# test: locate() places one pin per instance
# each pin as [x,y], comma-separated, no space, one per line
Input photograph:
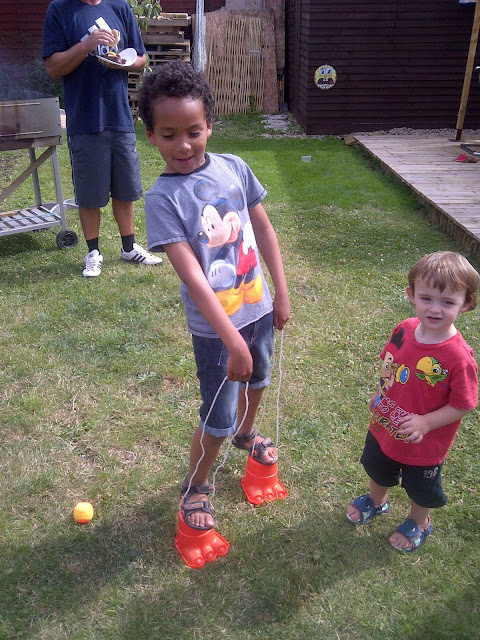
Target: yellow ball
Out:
[83,512]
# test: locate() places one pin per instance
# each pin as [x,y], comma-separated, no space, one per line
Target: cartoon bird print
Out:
[431,371]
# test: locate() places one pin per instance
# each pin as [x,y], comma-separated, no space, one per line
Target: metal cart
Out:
[29,124]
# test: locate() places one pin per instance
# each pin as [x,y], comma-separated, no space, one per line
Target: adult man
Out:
[101,133]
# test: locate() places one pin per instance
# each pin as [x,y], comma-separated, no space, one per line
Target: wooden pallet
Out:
[164,40]
[168,21]
[133,79]
[154,51]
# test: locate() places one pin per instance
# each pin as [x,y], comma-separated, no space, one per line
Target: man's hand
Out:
[98,37]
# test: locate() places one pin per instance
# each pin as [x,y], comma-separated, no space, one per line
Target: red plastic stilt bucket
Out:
[260,482]
[198,547]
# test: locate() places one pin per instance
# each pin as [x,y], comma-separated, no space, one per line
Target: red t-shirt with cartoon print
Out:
[420,378]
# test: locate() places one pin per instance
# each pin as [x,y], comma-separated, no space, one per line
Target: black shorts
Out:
[422,484]
[105,164]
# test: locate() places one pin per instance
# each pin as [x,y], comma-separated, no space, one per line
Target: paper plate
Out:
[130,55]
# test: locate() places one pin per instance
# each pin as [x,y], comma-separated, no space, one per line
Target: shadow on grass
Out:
[60,267]
[35,258]
[21,243]
[56,577]
[287,566]
[455,618]
[67,572]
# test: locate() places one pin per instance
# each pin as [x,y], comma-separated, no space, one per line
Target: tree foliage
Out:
[145,10]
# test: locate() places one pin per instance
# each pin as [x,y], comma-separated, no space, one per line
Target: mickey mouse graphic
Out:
[234,282]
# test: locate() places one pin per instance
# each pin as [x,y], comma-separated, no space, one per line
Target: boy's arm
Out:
[269,249]
[416,427]
[185,263]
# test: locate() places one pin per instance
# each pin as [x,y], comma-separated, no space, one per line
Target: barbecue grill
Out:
[29,124]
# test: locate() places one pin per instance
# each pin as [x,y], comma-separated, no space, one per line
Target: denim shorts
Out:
[422,484]
[211,359]
[105,164]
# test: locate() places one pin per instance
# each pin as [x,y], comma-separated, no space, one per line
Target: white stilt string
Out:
[203,433]
[280,374]
[229,445]
[222,464]
[265,395]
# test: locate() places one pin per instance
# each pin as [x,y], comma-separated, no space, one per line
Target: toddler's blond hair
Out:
[447,269]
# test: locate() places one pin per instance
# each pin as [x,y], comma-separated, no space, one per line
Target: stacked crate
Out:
[165,38]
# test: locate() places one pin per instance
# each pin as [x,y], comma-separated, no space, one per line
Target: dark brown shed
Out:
[399,63]
[21,29]
[21,25]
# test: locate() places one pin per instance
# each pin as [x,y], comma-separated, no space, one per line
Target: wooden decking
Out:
[426,163]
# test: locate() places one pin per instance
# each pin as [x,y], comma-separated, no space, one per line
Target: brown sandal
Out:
[187,509]
[256,450]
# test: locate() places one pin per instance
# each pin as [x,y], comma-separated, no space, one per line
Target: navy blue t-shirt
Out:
[96,98]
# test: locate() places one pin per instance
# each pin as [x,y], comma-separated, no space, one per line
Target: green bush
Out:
[29,80]
[145,10]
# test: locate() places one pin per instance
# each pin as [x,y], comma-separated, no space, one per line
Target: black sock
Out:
[92,244]
[127,242]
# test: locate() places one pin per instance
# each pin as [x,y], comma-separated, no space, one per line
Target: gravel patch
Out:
[280,125]
[405,131]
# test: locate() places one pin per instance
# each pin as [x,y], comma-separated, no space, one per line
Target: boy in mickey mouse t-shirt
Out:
[428,383]
[205,211]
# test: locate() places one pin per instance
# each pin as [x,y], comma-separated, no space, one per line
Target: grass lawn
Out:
[99,398]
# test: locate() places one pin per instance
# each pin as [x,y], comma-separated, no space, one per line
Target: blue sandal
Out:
[367,509]
[417,536]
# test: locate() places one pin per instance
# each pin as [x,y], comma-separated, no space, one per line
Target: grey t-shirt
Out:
[209,209]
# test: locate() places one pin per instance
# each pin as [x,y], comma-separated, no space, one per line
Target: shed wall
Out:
[21,25]
[399,63]
[21,29]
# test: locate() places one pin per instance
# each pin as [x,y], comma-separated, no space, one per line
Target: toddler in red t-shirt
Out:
[429,381]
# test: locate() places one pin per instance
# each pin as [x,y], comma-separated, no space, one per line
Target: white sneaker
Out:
[93,264]
[140,255]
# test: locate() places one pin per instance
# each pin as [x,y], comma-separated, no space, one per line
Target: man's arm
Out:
[185,263]
[62,63]
[138,65]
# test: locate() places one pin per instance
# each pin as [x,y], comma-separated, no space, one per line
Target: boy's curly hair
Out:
[175,79]
[447,269]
